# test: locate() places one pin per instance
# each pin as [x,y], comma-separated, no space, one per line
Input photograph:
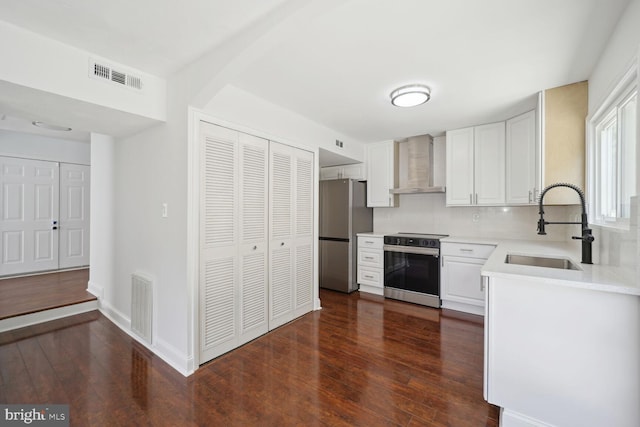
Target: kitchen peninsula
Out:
[562,346]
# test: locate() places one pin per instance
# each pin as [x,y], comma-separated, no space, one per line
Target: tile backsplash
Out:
[427,213]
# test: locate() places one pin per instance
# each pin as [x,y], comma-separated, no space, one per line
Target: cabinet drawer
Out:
[370,242]
[371,258]
[370,276]
[470,250]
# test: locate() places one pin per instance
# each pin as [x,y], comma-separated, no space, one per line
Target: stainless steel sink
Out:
[537,261]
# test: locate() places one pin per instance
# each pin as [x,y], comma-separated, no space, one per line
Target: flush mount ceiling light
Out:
[410,95]
[51,127]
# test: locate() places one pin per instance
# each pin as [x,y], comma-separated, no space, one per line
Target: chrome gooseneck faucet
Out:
[586,237]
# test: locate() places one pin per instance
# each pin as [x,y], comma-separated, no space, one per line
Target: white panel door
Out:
[281,234]
[29,196]
[489,165]
[74,215]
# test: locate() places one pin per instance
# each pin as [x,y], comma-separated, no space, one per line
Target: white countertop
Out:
[370,234]
[595,277]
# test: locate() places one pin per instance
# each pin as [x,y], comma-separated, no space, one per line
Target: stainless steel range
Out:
[412,268]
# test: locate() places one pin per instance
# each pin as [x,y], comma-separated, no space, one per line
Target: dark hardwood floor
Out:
[30,294]
[360,361]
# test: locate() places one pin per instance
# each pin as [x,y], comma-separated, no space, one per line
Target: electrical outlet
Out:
[339,143]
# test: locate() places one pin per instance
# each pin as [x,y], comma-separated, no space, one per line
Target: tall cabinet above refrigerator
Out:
[343,214]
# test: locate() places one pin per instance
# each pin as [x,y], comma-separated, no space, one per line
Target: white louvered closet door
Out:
[281,234]
[234,239]
[218,241]
[254,158]
[303,232]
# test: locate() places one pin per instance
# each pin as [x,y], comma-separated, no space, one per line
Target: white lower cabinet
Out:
[371,264]
[461,284]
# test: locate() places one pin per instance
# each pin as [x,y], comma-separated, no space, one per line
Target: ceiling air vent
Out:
[102,71]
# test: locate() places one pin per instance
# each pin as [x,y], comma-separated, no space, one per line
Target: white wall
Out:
[38,147]
[101,246]
[37,62]
[238,106]
[617,56]
[150,169]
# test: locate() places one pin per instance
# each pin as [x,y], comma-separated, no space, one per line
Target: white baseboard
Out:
[46,315]
[514,419]
[94,289]
[465,308]
[375,290]
[172,356]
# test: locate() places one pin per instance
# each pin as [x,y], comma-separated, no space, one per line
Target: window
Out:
[612,163]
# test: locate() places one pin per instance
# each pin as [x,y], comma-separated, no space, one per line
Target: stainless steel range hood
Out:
[416,165]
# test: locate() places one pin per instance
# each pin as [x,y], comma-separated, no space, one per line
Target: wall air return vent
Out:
[102,71]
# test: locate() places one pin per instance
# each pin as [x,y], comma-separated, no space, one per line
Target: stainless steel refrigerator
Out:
[343,213]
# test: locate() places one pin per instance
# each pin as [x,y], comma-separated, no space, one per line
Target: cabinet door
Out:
[521,159]
[381,174]
[330,172]
[489,164]
[356,171]
[459,152]
[461,280]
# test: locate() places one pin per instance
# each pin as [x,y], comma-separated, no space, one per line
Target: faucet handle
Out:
[586,236]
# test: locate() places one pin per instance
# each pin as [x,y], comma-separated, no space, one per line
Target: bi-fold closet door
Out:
[44,209]
[251,217]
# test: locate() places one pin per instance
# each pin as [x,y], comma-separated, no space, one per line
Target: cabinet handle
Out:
[367,276]
[281,243]
[530,194]
[255,247]
[476,199]
[368,257]
[466,250]
[470,198]
[482,284]
[368,242]
[535,195]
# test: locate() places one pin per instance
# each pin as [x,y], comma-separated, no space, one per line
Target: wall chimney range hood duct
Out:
[416,166]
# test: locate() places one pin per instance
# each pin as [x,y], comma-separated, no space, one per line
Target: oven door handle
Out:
[411,250]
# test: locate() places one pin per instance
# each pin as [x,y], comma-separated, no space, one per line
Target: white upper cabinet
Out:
[355,171]
[522,160]
[382,174]
[476,165]
[489,167]
[460,167]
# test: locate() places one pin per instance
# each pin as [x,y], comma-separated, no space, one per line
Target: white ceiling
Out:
[484,60]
